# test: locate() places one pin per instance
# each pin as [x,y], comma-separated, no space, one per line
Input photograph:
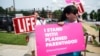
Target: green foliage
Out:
[96,43]
[25,13]
[11,13]
[57,14]
[84,16]
[43,13]
[95,27]
[84,29]
[93,15]
[98,15]
[2,11]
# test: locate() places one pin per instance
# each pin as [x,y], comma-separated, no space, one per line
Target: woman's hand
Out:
[61,23]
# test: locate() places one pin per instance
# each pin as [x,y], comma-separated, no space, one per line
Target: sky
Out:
[52,4]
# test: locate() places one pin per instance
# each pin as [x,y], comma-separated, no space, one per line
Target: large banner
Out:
[54,39]
[24,24]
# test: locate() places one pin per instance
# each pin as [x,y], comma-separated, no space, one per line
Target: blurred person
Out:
[42,20]
[90,39]
[30,38]
[94,39]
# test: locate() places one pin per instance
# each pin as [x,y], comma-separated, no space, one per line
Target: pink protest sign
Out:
[71,1]
[54,39]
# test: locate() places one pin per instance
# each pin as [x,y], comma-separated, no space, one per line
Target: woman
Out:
[69,15]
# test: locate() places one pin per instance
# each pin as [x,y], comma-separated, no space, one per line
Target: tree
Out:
[11,13]
[25,13]
[93,15]
[2,11]
[98,14]
[57,14]
[43,13]
[84,16]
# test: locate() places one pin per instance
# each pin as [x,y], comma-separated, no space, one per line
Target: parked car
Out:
[6,23]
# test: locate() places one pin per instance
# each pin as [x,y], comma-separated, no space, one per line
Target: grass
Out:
[95,27]
[84,29]
[96,43]
[87,51]
[11,38]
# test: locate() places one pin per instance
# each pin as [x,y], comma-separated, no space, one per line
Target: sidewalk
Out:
[93,49]
[89,29]
[17,50]
[13,50]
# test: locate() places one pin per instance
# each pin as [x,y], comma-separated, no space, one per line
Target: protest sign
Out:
[80,9]
[24,24]
[54,39]
[71,1]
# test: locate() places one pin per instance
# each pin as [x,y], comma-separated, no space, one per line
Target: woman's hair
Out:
[67,10]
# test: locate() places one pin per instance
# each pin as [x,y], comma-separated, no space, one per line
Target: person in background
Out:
[30,38]
[69,15]
[90,39]
[94,39]
[42,20]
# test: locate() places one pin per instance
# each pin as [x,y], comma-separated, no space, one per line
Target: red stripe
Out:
[80,8]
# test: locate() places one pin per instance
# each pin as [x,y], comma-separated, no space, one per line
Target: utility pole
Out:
[14,7]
